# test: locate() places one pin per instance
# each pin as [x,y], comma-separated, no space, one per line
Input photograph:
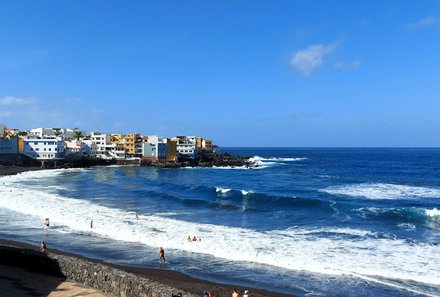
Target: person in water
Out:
[46,222]
[162,255]
[91,224]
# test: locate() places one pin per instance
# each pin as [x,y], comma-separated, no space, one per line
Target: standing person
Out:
[43,246]
[235,294]
[162,255]
[91,224]
[46,222]
[246,293]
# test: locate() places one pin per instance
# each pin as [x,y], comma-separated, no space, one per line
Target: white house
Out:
[49,148]
[154,148]
[66,132]
[186,146]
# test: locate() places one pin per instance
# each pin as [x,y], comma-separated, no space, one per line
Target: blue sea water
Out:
[306,221]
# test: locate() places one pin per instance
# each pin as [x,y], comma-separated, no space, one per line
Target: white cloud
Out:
[352,64]
[307,60]
[11,100]
[426,22]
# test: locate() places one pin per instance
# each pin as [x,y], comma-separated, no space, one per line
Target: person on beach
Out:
[205,294]
[46,222]
[235,293]
[162,255]
[246,293]
[43,246]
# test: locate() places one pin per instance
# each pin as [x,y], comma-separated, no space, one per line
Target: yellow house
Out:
[117,138]
[130,143]
[207,145]
[20,145]
[171,150]
[199,142]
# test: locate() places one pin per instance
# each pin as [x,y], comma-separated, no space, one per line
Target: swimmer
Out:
[189,238]
[194,238]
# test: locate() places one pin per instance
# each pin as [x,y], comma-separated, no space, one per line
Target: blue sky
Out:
[243,73]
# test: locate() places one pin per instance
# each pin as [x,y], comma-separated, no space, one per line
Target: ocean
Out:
[306,221]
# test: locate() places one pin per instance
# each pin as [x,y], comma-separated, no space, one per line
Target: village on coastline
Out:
[64,147]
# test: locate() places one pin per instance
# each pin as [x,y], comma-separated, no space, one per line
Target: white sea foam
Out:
[433,212]
[324,250]
[383,191]
[244,192]
[222,190]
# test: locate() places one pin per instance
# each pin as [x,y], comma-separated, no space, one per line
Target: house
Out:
[154,148]
[186,146]
[48,148]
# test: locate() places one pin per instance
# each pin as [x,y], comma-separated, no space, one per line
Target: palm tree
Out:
[78,135]
[57,131]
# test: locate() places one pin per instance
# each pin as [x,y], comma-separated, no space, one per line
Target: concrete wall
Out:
[107,279]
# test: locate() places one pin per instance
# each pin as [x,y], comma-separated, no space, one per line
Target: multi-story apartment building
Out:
[9,145]
[171,150]
[154,148]
[130,143]
[48,148]
[104,147]
[186,146]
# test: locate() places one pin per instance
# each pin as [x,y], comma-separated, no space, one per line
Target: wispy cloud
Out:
[351,64]
[307,60]
[11,100]
[426,22]
[5,114]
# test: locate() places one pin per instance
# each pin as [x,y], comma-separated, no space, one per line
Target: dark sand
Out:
[172,278]
[11,170]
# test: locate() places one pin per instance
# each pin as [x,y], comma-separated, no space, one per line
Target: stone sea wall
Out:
[109,280]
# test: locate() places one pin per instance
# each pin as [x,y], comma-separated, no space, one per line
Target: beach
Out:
[173,280]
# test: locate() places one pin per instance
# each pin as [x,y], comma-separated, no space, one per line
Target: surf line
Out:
[367,278]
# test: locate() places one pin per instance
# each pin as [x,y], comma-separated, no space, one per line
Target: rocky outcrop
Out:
[214,160]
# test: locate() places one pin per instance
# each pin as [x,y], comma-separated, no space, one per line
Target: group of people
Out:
[194,238]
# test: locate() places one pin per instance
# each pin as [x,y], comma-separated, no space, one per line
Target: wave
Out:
[325,250]
[433,212]
[222,190]
[262,162]
[408,218]
[383,191]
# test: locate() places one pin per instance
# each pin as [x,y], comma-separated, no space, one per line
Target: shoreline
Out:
[13,170]
[172,280]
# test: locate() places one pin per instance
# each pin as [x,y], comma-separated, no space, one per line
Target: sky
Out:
[251,73]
